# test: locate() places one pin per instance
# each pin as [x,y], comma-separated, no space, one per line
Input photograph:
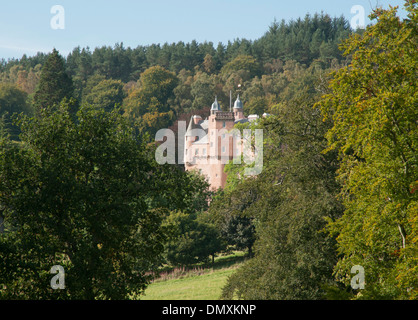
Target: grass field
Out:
[195,284]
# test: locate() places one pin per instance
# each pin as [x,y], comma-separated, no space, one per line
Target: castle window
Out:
[204,152]
[223,149]
[196,152]
[223,124]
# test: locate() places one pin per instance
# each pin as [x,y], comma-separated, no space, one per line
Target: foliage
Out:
[106,94]
[288,202]
[192,240]
[54,84]
[12,101]
[86,195]
[148,105]
[373,105]
[156,87]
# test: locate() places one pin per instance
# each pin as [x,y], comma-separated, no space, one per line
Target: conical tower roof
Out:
[238,104]
[215,105]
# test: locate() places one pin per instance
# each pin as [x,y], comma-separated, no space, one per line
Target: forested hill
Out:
[109,75]
[303,40]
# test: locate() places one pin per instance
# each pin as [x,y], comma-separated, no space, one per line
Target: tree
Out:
[151,122]
[156,87]
[202,90]
[238,71]
[288,202]
[192,240]
[106,94]
[54,84]
[12,101]
[209,64]
[86,195]
[239,232]
[257,105]
[373,104]
[228,211]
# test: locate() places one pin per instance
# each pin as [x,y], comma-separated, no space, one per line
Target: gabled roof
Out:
[203,125]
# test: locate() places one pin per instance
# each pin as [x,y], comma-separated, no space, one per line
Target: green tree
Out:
[192,240]
[288,202]
[257,105]
[106,94]
[202,90]
[151,122]
[156,87]
[373,105]
[228,211]
[86,195]
[12,101]
[54,84]
[239,232]
[238,71]
[209,64]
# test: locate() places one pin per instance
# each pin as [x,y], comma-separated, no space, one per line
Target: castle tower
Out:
[215,106]
[238,109]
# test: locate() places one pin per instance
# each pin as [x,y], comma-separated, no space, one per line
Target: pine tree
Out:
[54,85]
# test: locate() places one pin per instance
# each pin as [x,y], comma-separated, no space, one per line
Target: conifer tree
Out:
[55,84]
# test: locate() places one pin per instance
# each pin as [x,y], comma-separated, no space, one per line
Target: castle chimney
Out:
[196,119]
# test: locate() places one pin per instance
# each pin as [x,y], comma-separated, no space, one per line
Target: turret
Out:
[238,109]
[215,106]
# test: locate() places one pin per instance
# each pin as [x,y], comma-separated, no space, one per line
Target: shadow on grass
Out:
[221,262]
[227,261]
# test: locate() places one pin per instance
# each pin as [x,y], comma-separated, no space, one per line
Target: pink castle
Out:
[208,147]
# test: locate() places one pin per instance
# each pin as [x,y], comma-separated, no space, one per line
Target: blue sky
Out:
[25,25]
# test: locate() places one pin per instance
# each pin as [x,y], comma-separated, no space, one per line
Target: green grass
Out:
[199,283]
[202,287]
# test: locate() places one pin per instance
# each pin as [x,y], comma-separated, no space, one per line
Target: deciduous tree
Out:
[373,105]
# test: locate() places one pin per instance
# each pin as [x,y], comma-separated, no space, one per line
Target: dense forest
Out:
[195,72]
[79,185]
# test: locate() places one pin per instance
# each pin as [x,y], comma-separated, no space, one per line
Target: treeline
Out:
[197,71]
[303,40]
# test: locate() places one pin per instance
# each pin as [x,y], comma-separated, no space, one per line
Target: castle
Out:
[208,146]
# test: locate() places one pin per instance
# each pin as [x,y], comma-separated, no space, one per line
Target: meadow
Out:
[197,283]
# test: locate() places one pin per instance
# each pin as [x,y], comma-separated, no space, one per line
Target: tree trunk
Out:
[1,223]
[402,232]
